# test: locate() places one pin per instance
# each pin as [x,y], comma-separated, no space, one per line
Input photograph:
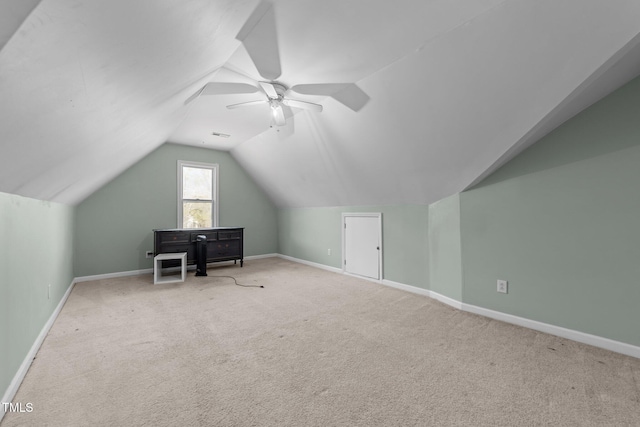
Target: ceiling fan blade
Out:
[194,96]
[278,116]
[352,96]
[348,94]
[322,89]
[269,89]
[247,104]
[303,105]
[260,39]
[221,88]
[288,112]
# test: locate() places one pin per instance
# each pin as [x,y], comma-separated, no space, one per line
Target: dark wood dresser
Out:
[223,243]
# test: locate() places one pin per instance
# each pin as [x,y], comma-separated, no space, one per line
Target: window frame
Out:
[215,201]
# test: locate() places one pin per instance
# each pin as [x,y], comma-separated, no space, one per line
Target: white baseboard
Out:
[447,300]
[113,275]
[26,363]
[260,256]
[150,270]
[408,288]
[310,263]
[593,340]
[424,292]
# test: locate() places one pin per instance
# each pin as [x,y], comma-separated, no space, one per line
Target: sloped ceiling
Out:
[450,89]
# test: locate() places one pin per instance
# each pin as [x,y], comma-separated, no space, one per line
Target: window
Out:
[197,195]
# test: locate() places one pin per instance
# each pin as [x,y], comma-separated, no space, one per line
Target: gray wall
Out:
[308,233]
[561,222]
[36,246]
[114,225]
[445,252]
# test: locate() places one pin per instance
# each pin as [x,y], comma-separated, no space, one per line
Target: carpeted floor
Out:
[312,348]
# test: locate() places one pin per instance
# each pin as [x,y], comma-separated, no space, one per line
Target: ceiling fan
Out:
[260,39]
[276,99]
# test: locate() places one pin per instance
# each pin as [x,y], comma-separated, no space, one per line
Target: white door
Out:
[362,244]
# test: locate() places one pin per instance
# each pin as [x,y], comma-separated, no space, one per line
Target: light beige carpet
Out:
[312,348]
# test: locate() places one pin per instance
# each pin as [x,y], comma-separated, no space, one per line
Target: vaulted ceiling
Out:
[434,94]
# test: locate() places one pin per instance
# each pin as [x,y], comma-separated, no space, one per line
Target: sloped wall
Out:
[114,225]
[561,223]
[36,253]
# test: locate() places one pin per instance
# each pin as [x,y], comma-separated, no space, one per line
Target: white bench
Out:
[157,268]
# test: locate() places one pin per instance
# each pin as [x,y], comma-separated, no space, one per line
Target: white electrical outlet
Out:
[149,254]
[328,251]
[503,286]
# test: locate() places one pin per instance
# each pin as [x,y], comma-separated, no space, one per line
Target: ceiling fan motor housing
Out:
[280,90]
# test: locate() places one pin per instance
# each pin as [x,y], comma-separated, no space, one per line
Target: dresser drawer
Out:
[179,247]
[229,235]
[222,249]
[211,235]
[174,237]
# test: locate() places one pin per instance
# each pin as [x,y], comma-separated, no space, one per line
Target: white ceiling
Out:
[453,89]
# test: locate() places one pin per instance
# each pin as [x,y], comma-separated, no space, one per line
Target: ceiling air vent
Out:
[221,135]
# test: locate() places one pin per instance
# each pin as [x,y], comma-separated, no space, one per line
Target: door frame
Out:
[344,251]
